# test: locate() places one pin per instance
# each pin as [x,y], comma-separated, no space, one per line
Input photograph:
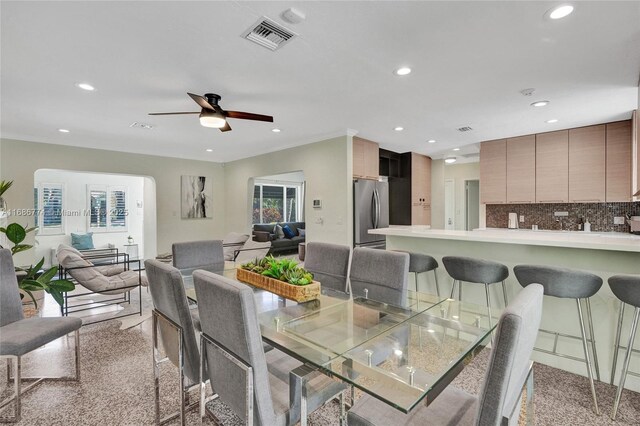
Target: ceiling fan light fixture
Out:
[212,119]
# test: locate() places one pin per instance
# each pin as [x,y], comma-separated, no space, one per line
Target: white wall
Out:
[20,160]
[75,199]
[297,176]
[327,171]
[459,173]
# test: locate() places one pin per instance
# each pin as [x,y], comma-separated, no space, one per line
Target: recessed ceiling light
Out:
[209,150]
[456,149]
[86,86]
[63,130]
[553,120]
[560,12]
[398,129]
[403,71]
[450,160]
[431,141]
[276,130]
[540,103]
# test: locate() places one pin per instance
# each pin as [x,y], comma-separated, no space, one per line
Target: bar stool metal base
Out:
[627,357]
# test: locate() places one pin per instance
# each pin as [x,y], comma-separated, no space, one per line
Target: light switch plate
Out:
[521,218]
[561,214]
[618,220]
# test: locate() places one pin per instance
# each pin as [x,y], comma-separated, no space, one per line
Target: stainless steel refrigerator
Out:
[370,211]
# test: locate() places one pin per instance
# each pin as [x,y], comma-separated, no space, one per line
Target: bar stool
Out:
[476,271]
[568,284]
[419,263]
[627,289]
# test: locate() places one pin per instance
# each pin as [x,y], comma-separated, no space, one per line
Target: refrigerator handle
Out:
[376,208]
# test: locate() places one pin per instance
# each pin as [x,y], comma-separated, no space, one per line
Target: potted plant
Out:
[33,278]
[280,276]
[4,186]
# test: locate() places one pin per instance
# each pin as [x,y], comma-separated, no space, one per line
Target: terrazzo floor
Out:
[116,386]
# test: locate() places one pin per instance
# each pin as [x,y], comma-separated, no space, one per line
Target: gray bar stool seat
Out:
[627,290]
[419,263]
[568,284]
[478,271]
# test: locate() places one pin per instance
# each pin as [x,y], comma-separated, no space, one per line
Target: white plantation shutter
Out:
[108,208]
[97,209]
[118,208]
[51,203]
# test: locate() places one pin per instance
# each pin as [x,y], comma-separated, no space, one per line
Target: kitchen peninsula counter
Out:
[615,241]
[604,254]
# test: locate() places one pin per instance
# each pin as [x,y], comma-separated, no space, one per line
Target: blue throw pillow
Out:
[288,232]
[82,241]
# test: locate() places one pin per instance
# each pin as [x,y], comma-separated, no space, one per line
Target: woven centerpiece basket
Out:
[299,293]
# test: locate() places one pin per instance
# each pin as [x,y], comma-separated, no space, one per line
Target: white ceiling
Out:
[469,60]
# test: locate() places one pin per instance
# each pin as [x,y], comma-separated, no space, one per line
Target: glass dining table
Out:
[402,356]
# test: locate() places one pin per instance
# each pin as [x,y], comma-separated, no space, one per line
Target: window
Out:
[49,199]
[277,202]
[107,208]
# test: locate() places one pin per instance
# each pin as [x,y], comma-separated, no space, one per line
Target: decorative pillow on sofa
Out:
[301,232]
[288,232]
[82,241]
[279,231]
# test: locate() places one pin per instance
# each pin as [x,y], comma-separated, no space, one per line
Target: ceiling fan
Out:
[212,115]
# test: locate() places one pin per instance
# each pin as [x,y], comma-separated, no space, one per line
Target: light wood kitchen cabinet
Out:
[521,169]
[366,161]
[618,168]
[552,167]
[493,172]
[587,162]
[420,189]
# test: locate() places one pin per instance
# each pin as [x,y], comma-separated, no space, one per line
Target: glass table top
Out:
[400,355]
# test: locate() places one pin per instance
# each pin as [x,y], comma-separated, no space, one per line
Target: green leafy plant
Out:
[36,279]
[4,186]
[33,278]
[16,234]
[284,269]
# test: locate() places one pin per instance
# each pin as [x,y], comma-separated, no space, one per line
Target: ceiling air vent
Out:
[465,129]
[269,34]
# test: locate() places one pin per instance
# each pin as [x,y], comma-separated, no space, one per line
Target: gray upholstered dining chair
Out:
[177,325]
[19,335]
[329,263]
[238,367]
[508,372]
[379,275]
[205,254]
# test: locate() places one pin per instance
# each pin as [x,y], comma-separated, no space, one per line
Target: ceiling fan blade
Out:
[202,101]
[225,128]
[248,116]
[172,113]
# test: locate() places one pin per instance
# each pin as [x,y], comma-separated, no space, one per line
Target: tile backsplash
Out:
[600,215]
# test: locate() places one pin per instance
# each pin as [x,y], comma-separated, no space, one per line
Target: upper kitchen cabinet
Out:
[587,162]
[618,169]
[493,172]
[521,169]
[365,159]
[552,167]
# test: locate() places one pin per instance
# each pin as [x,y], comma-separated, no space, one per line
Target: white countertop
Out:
[616,241]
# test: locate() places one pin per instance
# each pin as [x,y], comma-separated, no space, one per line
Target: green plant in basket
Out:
[284,269]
